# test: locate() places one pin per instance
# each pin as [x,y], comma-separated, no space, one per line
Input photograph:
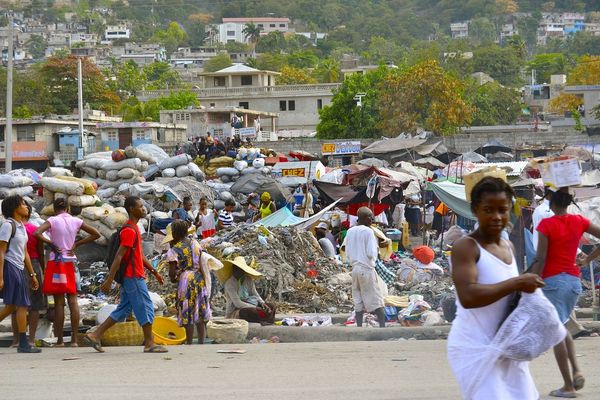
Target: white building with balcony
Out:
[114,32]
[459,30]
[232,29]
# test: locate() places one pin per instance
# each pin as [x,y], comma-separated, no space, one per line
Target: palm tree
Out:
[252,34]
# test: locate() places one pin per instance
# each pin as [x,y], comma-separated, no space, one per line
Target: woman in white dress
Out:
[486,277]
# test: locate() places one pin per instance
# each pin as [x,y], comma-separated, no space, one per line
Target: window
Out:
[247,80]
[219,81]
[282,25]
[160,135]
[282,105]
[272,25]
[292,105]
[244,104]
[319,104]
[25,134]
[212,105]
[230,33]
[261,25]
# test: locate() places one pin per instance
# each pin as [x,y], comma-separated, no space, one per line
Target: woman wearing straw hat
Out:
[243,301]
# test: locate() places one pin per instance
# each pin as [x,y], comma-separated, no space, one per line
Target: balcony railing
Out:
[247,90]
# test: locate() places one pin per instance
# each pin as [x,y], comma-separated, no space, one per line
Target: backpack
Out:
[12,234]
[113,246]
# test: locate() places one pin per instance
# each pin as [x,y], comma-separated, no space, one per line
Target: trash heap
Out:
[297,275]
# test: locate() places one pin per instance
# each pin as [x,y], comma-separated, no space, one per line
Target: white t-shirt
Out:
[16,252]
[361,246]
[207,221]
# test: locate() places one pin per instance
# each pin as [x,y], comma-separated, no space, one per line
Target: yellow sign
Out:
[328,148]
[298,172]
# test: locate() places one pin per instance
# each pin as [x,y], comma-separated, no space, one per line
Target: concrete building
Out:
[537,97]
[192,57]
[232,29]
[459,30]
[36,141]
[114,32]
[593,28]
[507,31]
[219,121]
[141,54]
[591,98]
[239,76]
[118,135]
[573,22]
[83,38]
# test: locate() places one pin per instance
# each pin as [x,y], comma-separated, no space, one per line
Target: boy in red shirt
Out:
[134,292]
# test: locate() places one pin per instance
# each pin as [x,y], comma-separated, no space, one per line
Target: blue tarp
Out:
[281,217]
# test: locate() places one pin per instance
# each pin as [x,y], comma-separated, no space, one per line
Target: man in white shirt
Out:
[362,249]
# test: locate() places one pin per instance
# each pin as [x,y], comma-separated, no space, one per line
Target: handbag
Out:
[59,277]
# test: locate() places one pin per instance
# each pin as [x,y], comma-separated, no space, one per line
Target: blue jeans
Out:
[563,290]
[134,297]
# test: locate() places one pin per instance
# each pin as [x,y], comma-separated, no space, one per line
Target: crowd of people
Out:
[211,147]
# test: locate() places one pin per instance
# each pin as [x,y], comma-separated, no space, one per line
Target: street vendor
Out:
[243,301]
[267,206]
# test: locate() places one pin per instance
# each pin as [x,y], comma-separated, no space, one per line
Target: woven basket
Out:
[228,331]
[124,334]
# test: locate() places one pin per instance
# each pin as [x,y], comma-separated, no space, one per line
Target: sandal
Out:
[95,344]
[28,350]
[579,382]
[156,349]
[563,394]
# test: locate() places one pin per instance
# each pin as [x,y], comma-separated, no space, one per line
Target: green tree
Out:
[36,46]
[546,65]
[60,76]
[134,110]
[303,59]
[270,62]
[274,42]
[160,75]
[218,62]
[426,96]
[237,47]
[482,31]
[127,79]
[494,104]
[343,118]
[252,34]
[586,72]
[171,38]
[502,64]
[328,71]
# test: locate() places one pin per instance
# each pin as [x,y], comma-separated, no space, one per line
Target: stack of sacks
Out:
[218,162]
[180,166]
[105,219]
[14,183]
[222,192]
[116,170]
[78,192]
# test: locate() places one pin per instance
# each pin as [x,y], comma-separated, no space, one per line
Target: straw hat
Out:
[169,234]
[225,273]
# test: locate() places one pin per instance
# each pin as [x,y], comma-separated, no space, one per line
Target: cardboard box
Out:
[559,172]
[473,178]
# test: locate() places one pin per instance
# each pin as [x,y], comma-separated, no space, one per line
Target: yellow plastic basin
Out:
[167,332]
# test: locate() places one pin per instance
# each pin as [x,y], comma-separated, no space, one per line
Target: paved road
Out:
[406,369]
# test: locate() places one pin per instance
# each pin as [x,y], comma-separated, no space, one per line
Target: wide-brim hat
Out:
[169,234]
[225,273]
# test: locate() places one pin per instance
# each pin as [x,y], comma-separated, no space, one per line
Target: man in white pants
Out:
[362,249]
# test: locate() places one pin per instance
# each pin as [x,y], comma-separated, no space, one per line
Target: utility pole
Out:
[9,100]
[82,138]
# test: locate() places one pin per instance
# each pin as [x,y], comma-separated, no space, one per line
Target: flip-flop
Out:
[95,344]
[156,349]
[579,382]
[563,394]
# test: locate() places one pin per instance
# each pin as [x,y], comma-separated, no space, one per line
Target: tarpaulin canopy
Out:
[433,149]
[430,162]
[373,162]
[471,156]
[257,183]
[284,217]
[388,179]
[493,146]
[453,195]
[392,145]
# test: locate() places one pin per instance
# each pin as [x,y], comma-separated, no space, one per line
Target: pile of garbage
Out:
[295,270]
